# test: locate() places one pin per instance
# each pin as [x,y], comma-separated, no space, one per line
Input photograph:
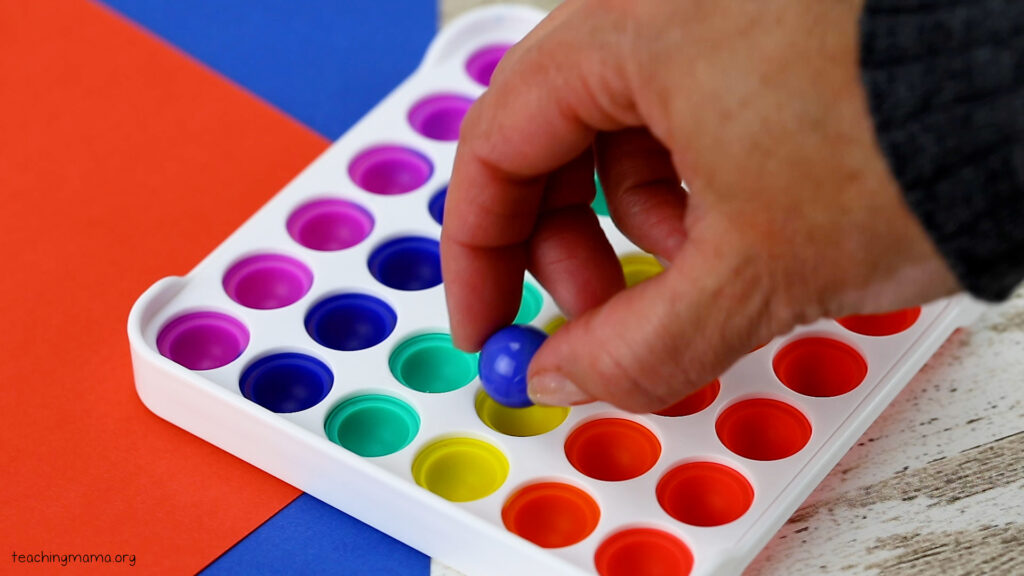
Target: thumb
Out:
[656,342]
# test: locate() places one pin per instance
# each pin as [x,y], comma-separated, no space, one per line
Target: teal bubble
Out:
[600,205]
[372,425]
[430,363]
[530,305]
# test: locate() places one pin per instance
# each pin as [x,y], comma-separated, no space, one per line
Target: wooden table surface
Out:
[936,484]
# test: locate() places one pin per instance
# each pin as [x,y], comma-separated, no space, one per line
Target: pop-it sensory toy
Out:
[313,343]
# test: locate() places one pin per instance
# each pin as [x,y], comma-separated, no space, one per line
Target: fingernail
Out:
[553,389]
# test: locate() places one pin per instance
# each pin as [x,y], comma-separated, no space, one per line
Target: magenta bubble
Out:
[482,63]
[390,170]
[439,117]
[202,340]
[267,281]
[330,224]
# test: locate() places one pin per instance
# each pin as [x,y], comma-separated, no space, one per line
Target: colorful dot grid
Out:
[313,343]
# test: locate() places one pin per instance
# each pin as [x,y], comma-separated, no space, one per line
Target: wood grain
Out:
[936,481]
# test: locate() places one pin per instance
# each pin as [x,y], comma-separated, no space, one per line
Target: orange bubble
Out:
[551,514]
[820,367]
[643,552]
[612,449]
[885,324]
[704,494]
[695,402]
[763,429]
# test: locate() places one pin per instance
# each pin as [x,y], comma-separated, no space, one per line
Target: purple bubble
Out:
[390,170]
[482,63]
[267,281]
[330,224]
[202,340]
[438,117]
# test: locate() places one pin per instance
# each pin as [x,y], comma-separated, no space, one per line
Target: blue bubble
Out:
[286,382]
[436,205]
[407,263]
[350,321]
[503,363]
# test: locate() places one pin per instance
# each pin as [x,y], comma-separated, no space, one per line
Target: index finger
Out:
[539,114]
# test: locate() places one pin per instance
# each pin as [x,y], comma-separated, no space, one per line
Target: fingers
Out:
[483,287]
[512,139]
[571,184]
[642,189]
[571,257]
[568,251]
[652,344]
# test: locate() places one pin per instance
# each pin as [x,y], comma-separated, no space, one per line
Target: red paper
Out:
[122,161]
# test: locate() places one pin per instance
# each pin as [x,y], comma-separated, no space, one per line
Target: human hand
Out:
[792,212]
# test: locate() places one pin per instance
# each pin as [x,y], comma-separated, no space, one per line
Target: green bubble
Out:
[430,363]
[530,306]
[600,205]
[372,425]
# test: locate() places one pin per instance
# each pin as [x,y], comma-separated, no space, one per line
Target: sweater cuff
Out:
[945,83]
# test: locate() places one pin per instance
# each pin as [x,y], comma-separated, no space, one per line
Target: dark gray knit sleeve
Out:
[945,82]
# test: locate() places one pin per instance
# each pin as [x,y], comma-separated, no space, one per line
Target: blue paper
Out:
[324,63]
[310,537]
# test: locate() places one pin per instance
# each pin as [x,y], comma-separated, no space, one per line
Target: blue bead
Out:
[503,362]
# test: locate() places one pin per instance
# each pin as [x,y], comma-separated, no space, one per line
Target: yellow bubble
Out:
[460,469]
[529,421]
[554,324]
[639,267]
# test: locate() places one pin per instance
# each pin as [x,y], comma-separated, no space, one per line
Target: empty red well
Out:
[704,494]
[885,324]
[820,367]
[612,449]
[551,514]
[763,429]
[695,402]
[643,552]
